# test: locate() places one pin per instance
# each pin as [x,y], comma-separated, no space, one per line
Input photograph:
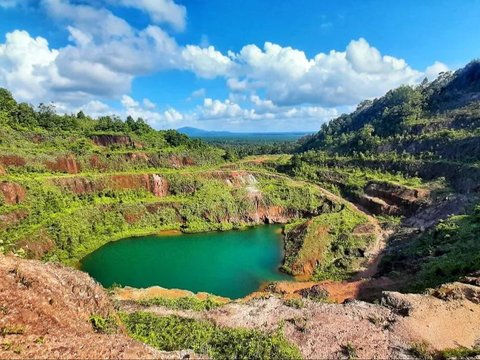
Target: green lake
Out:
[230,263]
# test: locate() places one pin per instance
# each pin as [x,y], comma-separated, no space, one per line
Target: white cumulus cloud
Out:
[105,54]
[206,62]
[161,11]
[435,69]
[289,77]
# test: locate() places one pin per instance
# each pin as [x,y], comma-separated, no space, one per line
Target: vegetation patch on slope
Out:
[446,253]
[171,333]
[328,246]
[183,303]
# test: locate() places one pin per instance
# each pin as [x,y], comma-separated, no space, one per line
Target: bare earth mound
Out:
[45,312]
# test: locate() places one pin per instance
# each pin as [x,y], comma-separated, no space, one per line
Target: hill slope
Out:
[437,120]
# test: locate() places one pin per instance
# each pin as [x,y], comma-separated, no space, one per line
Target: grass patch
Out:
[183,303]
[12,330]
[173,333]
[421,351]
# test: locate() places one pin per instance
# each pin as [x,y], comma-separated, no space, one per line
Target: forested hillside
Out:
[437,120]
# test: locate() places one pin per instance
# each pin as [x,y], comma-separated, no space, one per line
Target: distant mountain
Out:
[279,136]
[195,132]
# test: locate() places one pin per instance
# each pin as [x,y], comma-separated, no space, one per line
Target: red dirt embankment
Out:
[64,164]
[12,193]
[153,183]
[12,160]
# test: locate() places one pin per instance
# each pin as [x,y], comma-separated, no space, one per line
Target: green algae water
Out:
[230,263]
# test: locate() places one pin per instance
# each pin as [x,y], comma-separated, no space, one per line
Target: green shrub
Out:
[183,303]
[421,351]
[461,353]
[104,325]
[350,351]
[294,303]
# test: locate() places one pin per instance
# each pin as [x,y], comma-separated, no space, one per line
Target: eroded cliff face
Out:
[119,140]
[104,161]
[64,164]
[81,185]
[384,198]
[12,160]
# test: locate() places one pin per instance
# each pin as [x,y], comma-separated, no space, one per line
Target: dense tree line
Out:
[24,117]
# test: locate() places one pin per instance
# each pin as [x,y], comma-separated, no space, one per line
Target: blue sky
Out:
[240,65]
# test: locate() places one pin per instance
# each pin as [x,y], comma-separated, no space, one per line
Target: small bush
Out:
[294,303]
[349,351]
[460,353]
[12,330]
[104,325]
[421,351]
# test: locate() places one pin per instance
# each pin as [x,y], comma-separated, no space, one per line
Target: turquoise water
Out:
[231,263]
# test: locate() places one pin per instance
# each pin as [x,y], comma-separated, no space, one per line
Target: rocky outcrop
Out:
[405,198]
[272,215]
[153,183]
[13,193]
[158,185]
[378,206]
[385,198]
[150,182]
[109,140]
[458,291]
[64,164]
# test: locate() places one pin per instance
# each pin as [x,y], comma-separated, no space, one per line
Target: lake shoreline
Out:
[229,264]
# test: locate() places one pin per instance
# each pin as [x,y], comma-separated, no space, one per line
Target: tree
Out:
[24,116]
[7,102]
[174,138]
